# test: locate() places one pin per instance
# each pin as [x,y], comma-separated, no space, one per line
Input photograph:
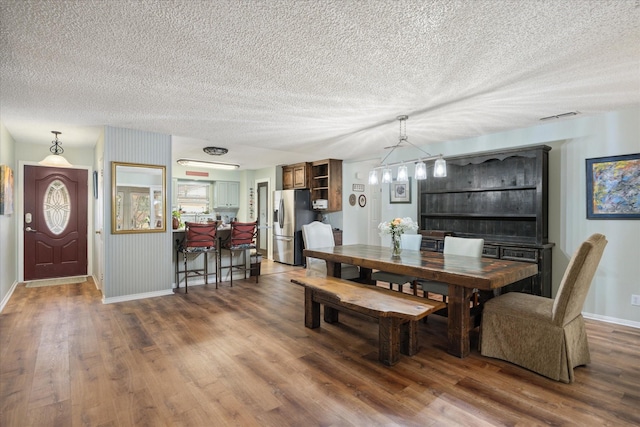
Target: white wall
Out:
[572,141]
[8,224]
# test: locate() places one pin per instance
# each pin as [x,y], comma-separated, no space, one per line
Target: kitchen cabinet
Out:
[326,183]
[227,194]
[295,176]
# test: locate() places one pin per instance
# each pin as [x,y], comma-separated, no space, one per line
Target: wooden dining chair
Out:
[410,242]
[199,239]
[541,334]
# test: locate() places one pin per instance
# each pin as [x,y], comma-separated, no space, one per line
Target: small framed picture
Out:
[400,192]
[612,187]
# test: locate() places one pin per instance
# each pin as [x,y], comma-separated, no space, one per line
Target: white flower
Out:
[397,226]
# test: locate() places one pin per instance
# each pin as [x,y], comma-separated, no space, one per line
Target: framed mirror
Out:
[138,198]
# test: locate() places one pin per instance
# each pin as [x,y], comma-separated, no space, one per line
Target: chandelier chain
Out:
[56,148]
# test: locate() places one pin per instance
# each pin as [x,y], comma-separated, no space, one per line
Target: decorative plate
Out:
[352,200]
[362,201]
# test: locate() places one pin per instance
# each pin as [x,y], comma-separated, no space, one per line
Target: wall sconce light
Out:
[420,173]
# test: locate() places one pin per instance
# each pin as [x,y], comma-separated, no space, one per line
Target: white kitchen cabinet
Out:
[227,194]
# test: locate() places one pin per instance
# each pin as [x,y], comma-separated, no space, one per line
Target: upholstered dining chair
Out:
[242,239]
[545,335]
[452,246]
[199,239]
[320,235]
[410,242]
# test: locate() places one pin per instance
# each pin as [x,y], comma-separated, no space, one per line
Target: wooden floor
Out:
[241,356]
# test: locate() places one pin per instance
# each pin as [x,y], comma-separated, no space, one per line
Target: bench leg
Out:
[409,338]
[311,310]
[389,340]
[330,314]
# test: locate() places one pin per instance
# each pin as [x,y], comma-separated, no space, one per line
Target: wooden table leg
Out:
[311,310]
[459,320]
[409,338]
[334,269]
[365,276]
[389,340]
[330,314]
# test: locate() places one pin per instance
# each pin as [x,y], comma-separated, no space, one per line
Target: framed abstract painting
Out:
[613,187]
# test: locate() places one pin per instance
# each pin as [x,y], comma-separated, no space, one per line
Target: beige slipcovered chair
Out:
[409,242]
[320,235]
[544,335]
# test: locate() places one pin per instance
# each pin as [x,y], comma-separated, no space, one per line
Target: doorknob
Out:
[98,231]
[30,230]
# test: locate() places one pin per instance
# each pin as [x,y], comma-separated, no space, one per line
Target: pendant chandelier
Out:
[420,172]
[55,159]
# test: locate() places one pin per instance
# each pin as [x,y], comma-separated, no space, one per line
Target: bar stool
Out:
[199,238]
[242,238]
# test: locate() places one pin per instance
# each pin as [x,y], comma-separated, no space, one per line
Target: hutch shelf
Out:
[500,196]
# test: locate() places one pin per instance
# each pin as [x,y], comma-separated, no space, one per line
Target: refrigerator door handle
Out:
[284,239]
[281,213]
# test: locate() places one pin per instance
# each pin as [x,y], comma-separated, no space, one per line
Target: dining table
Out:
[463,275]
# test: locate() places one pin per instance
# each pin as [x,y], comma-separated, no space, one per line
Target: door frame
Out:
[20,215]
[269,212]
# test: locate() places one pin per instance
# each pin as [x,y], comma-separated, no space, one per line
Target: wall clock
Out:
[362,201]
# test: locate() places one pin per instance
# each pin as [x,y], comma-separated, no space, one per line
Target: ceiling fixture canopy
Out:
[215,151]
[439,167]
[55,159]
[206,164]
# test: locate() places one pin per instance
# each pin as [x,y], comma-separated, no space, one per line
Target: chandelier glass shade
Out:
[420,172]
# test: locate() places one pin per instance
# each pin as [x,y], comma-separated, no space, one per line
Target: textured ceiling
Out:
[282,81]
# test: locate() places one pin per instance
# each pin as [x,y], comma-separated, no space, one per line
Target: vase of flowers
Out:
[396,229]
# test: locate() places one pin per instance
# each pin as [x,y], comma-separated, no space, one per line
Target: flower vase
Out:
[396,247]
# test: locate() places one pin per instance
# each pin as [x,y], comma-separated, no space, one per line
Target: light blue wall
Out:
[137,264]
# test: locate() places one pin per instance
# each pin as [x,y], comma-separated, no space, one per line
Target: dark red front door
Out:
[55,223]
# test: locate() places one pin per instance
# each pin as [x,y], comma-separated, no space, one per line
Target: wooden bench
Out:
[397,314]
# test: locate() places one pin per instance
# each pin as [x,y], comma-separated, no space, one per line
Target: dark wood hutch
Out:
[500,196]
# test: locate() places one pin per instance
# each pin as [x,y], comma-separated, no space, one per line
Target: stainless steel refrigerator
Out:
[292,210]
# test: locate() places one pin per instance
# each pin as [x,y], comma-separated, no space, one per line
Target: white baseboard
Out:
[613,320]
[137,296]
[5,300]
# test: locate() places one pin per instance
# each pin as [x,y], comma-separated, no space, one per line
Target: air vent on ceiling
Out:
[559,116]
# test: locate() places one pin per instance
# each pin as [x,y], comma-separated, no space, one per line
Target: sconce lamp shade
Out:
[403,174]
[421,171]
[387,178]
[373,177]
[440,168]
